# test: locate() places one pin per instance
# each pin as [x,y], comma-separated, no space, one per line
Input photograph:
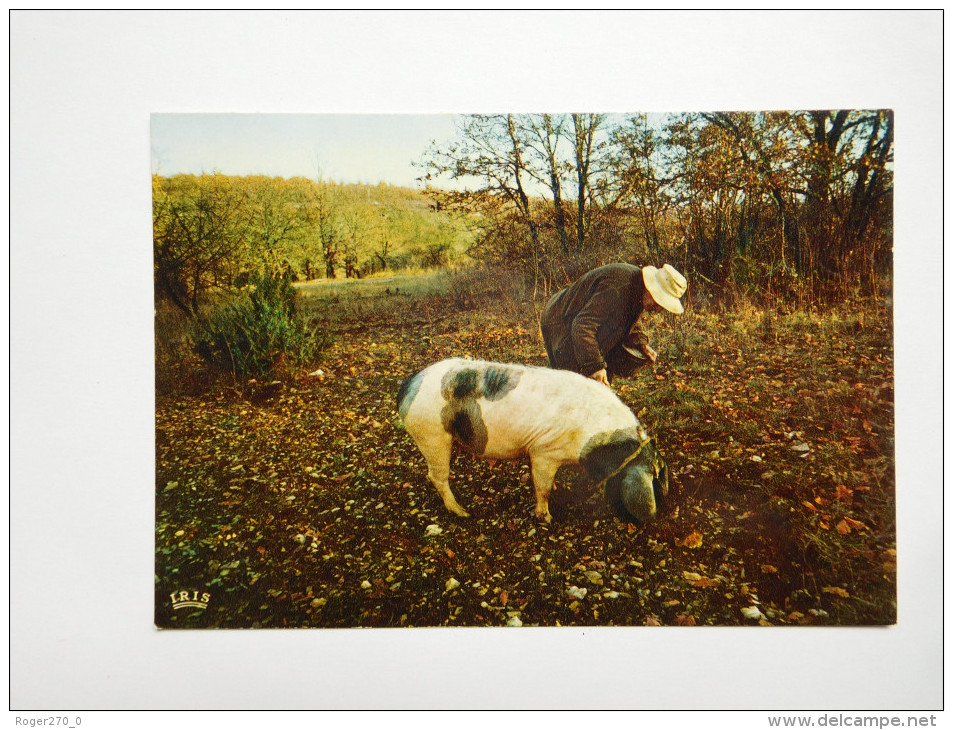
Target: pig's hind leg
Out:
[436,450]
[544,472]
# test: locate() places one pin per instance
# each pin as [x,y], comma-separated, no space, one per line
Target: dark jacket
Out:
[585,324]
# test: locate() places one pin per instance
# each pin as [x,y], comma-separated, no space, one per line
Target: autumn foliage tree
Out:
[199,230]
[763,204]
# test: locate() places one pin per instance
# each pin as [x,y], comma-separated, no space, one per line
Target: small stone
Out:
[318,602]
[514,621]
[300,539]
[593,577]
[753,613]
[453,584]
[577,592]
[366,584]
[433,530]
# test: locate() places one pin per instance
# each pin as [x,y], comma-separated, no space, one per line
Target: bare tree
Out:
[641,184]
[490,152]
[587,151]
[545,132]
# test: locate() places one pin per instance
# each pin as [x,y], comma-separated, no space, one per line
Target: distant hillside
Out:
[399,225]
[312,229]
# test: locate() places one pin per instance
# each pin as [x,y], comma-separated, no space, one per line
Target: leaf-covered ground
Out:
[302,503]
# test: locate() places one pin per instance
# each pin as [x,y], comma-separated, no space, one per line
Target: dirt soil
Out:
[302,502]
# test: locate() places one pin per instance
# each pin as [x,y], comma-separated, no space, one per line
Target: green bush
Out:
[258,330]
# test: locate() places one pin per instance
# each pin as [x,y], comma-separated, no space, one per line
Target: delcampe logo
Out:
[189,599]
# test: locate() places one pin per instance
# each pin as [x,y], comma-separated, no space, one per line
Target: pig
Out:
[555,417]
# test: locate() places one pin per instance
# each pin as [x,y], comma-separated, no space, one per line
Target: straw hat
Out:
[666,286]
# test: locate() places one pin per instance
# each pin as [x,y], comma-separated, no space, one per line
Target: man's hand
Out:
[601,376]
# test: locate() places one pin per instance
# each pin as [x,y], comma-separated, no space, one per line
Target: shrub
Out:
[258,329]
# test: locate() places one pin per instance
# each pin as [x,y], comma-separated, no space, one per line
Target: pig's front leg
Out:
[436,450]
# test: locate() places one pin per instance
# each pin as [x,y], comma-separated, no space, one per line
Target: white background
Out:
[82,405]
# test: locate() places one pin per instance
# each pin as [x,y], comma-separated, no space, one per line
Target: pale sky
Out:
[341,147]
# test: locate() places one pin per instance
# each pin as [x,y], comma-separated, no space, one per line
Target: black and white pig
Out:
[556,417]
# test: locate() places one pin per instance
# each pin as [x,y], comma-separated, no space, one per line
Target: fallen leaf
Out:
[692,540]
[842,527]
[836,591]
[768,569]
[652,621]
[843,494]
[855,524]
[684,619]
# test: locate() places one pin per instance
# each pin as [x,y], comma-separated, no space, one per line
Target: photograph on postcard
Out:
[528,369]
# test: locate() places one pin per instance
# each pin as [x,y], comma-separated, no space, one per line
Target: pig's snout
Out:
[644,490]
[638,494]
